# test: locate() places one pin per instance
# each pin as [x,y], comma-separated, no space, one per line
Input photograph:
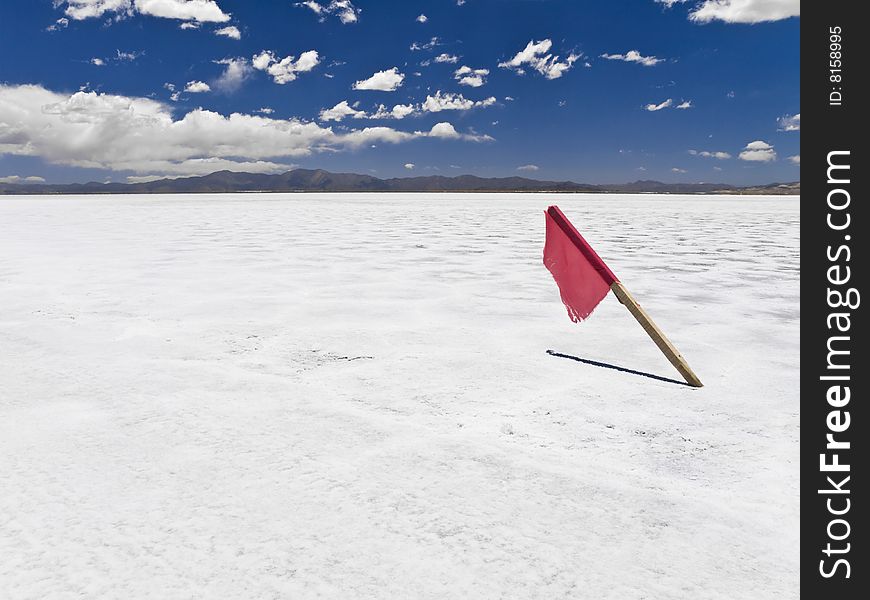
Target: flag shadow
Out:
[596,363]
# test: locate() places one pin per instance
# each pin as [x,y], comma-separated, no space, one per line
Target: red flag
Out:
[583,278]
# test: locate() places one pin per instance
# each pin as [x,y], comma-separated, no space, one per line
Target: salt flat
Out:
[349,396]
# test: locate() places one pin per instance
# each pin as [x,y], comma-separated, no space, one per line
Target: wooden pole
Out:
[655,333]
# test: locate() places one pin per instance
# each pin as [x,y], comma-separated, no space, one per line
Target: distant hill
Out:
[318,180]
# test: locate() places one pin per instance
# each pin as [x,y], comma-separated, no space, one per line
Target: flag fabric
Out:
[583,278]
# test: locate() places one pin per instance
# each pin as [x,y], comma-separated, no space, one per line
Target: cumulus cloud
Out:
[447,131]
[446,58]
[710,154]
[343,9]
[684,105]
[795,160]
[341,111]
[128,56]
[536,56]
[789,122]
[236,71]
[197,87]
[20,179]
[433,104]
[739,11]
[61,23]
[399,111]
[385,81]
[422,19]
[451,101]
[435,41]
[184,10]
[231,32]
[465,75]
[745,11]
[410,166]
[758,151]
[285,70]
[87,9]
[119,57]
[142,136]
[655,107]
[635,57]
[677,170]
[528,168]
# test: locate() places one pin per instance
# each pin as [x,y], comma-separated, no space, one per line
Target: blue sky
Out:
[126,90]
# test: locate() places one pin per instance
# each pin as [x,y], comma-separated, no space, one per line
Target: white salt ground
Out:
[349,396]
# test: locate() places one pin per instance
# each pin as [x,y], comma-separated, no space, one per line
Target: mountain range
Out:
[318,180]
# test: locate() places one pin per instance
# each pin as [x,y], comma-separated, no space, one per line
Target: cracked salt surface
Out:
[229,396]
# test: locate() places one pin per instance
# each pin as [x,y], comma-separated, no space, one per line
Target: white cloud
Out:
[340,111]
[433,104]
[265,110]
[710,154]
[236,72]
[528,168]
[140,135]
[789,122]
[446,58]
[231,32]
[286,69]
[410,166]
[451,101]
[471,77]
[343,9]
[447,131]
[670,3]
[635,57]
[399,111]
[422,19]
[184,10]
[435,41]
[61,23]
[684,105]
[385,81]
[536,56]
[128,56]
[197,87]
[758,151]
[87,9]
[654,107]
[795,160]
[20,179]
[745,11]
[189,25]
[119,57]
[677,170]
